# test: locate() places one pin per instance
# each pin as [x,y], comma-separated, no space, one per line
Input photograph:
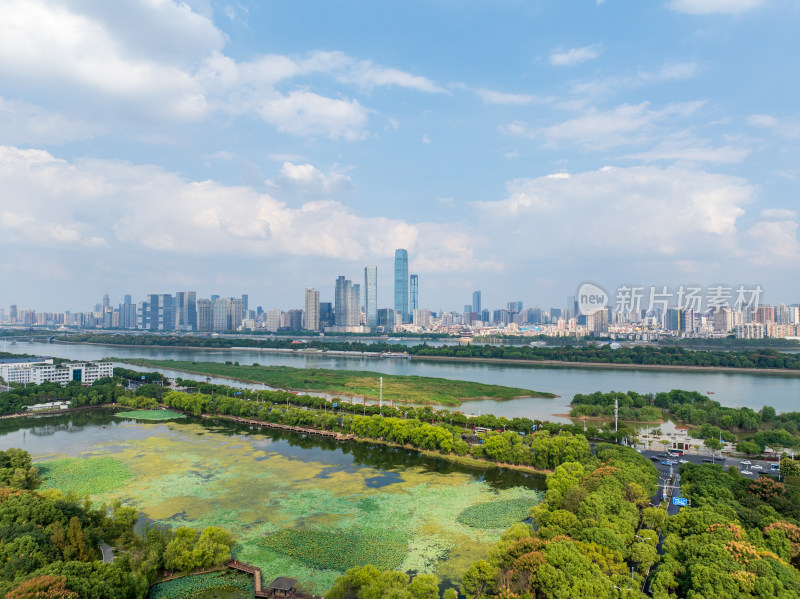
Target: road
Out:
[756,467]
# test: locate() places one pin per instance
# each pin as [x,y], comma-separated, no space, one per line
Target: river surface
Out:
[299,506]
[729,388]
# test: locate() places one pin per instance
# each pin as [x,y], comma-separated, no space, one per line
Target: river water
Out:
[729,388]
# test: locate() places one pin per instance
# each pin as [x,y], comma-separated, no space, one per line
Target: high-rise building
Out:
[476,301]
[12,314]
[386,318]
[414,293]
[597,322]
[273,320]
[127,314]
[245,300]
[325,315]
[236,307]
[294,320]
[205,315]
[343,301]
[355,303]
[312,309]
[221,314]
[371,296]
[401,285]
[106,301]
[186,310]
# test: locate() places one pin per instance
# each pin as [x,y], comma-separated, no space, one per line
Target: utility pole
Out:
[616,414]
[380,397]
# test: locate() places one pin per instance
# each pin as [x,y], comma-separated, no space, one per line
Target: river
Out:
[729,388]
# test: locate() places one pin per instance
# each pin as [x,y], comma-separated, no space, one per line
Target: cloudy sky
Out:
[516,146]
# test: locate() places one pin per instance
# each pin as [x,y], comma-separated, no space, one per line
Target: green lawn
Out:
[402,389]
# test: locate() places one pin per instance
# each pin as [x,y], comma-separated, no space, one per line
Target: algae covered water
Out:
[303,507]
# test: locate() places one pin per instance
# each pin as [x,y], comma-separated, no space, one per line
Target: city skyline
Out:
[200,145]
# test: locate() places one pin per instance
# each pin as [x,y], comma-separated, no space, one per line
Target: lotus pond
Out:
[303,507]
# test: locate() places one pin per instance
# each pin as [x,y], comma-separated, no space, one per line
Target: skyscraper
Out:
[343,301]
[205,315]
[354,318]
[401,284]
[414,294]
[371,295]
[312,309]
[476,301]
[186,310]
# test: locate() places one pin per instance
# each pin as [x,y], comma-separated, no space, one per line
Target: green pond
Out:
[300,506]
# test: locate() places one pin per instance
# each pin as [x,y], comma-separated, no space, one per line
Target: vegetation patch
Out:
[341,550]
[150,415]
[225,584]
[497,514]
[403,389]
[85,476]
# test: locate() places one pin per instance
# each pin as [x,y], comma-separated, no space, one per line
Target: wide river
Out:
[304,507]
[729,388]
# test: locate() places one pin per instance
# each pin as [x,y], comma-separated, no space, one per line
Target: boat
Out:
[390,354]
[709,393]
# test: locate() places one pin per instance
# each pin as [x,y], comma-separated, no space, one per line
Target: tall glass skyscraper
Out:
[401,284]
[414,295]
[371,295]
[476,301]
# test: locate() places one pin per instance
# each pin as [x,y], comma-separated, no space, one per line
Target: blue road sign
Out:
[682,501]
[336,404]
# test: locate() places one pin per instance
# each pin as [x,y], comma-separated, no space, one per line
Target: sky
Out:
[516,147]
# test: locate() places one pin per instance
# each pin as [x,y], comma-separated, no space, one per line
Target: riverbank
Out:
[349,383]
[453,359]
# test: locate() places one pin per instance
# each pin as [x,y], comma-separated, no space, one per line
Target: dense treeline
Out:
[49,543]
[740,538]
[106,390]
[541,450]
[639,355]
[709,418]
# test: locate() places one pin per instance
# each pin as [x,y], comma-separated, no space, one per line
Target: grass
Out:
[85,476]
[153,415]
[497,514]
[402,389]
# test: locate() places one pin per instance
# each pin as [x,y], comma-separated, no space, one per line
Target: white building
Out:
[40,370]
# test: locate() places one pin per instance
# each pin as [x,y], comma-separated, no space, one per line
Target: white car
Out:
[684,461]
[756,466]
[747,472]
[746,462]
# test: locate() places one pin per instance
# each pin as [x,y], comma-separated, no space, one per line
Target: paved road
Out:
[756,467]
[108,556]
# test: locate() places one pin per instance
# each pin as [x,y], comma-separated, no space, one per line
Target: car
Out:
[775,467]
[684,461]
[763,471]
[666,463]
[654,458]
[746,462]
[756,466]
[708,460]
[746,472]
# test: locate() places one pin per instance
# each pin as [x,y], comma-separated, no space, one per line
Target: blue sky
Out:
[516,147]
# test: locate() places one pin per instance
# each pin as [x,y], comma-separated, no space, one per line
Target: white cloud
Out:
[426,140]
[778,214]
[49,202]
[776,242]
[494,97]
[707,7]
[25,123]
[596,129]
[686,148]
[781,126]
[160,62]
[608,85]
[310,180]
[575,56]
[645,211]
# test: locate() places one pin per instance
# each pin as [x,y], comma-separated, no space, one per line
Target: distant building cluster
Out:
[41,370]
[355,309]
